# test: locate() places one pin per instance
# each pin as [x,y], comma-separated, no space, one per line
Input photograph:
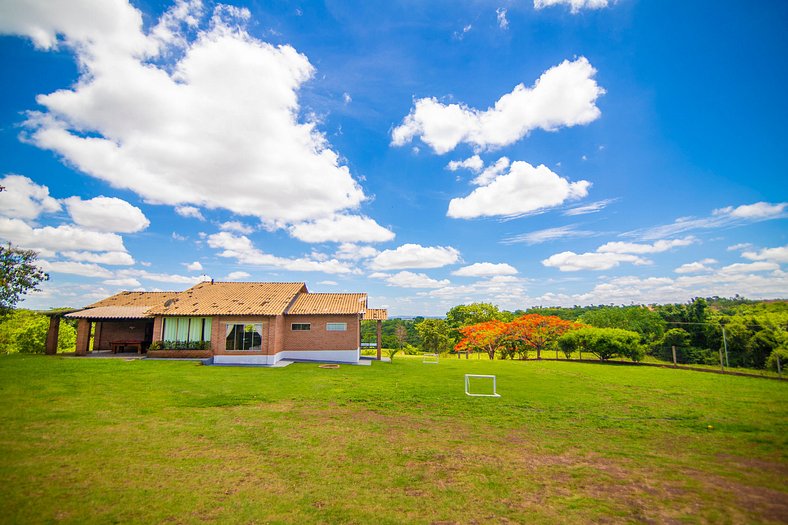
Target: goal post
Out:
[480,376]
[429,358]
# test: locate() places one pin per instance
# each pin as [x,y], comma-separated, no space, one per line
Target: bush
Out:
[605,343]
[409,349]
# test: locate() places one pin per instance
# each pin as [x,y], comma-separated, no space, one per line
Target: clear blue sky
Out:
[428,153]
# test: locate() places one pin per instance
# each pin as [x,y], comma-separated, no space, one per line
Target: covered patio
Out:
[117,329]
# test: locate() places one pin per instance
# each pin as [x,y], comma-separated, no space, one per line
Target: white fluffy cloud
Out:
[415,256]
[589,208]
[695,267]
[111,258]
[573,262]
[575,5]
[474,163]
[24,199]
[218,128]
[75,268]
[195,266]
[128,282]
[485,269]
[240,248]
[106,214]
[238,275]
[236,226]
[407,279]
[500,15]
[355,252]
[659,246]
[564,95]
[65,237]
[189,211]
[778,255]
[490,174]
[341,228]
[523,189]
[759,210]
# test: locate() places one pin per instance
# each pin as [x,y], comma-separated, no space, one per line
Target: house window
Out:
[244,336]
[186,329]
[336,327]
[300,327]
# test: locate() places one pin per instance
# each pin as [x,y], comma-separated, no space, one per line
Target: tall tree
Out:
[487,337]
[18,275]
[539,332]
[434,334]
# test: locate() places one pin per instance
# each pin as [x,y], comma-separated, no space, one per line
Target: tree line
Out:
[750,333]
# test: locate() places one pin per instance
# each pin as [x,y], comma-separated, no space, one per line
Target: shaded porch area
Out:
[113,330]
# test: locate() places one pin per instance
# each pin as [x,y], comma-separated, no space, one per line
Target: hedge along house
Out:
[235,323]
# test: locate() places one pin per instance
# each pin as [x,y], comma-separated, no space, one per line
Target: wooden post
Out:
[380,346]
[83,337]
[674,356]
[54,329]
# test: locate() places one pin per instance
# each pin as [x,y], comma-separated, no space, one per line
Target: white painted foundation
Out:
[339,356]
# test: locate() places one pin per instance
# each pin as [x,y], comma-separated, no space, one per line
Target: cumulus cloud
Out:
[355,252]
[236,226]
[778,255]
[575,5]
[24,199]
[485,269]
[189,211]
[548,234]
[240,248]
[572,262]
[128,282]
[195,266]
[236,276]
[328,283]
[524,189]
[759,210]
[659,246]
[75,268]
[106,214]
[415,256]
[564,95]
[695,267]
[158,277]
[407,279]
[341,228]
[111,258]
[491,172]
[65,237]
[474,163]
[216,125]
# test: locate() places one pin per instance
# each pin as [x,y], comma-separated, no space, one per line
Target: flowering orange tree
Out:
[538,332]
[487,337]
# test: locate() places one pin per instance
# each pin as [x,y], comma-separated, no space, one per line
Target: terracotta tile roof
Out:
[376,314]
[112,312]
[135,299]
[329,303]
[232,298]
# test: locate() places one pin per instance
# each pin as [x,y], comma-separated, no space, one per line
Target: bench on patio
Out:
[122,345]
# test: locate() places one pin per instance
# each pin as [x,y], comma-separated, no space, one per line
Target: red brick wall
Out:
[318,338]
[120,330]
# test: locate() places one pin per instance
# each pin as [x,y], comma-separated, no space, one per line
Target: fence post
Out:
[725,343]
[674,356]
[722,365]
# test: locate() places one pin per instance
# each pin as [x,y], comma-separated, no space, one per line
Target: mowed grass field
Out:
[116,441]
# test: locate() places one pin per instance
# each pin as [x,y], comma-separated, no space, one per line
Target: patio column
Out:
[83,337]
[54,329]
[380,327]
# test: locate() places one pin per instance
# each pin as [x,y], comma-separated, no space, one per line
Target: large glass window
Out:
[187,329]
[244,336]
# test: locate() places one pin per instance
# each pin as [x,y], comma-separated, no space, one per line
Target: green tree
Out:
[648,323]
[18,275]
[605,343]
[435,336]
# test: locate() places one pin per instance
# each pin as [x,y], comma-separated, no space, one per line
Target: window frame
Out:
[343,329]
[294,329]
[230,326]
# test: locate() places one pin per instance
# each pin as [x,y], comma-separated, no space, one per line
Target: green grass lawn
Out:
[116,441]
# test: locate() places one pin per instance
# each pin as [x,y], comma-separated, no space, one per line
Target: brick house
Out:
[232,322]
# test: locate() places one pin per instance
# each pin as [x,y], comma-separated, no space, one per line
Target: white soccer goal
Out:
[468,385]
[429,359]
